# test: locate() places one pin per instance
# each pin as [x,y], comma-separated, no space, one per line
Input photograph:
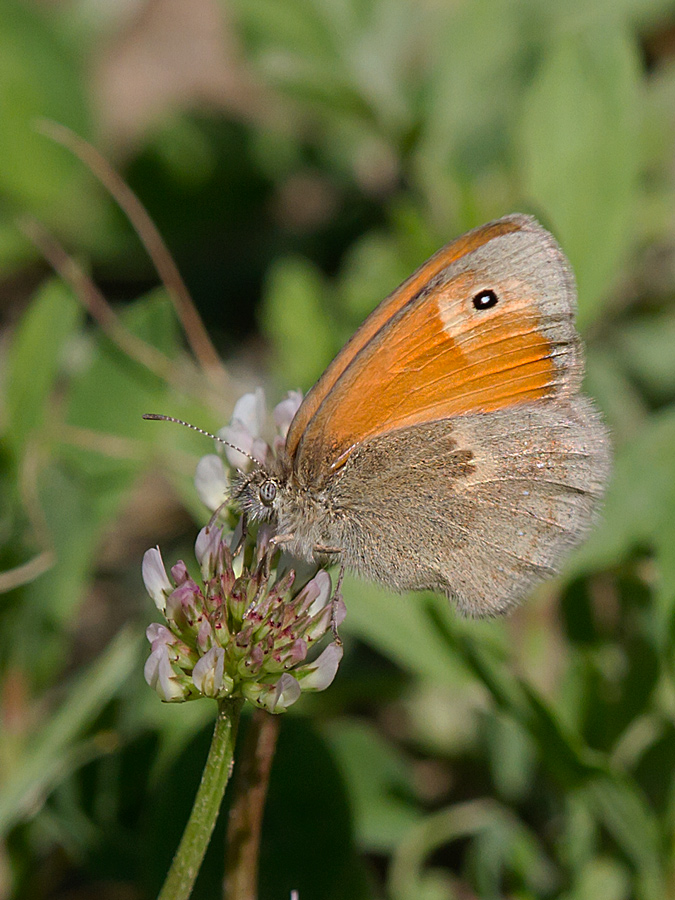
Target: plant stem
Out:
[246,812]
[145,228]
[188,859]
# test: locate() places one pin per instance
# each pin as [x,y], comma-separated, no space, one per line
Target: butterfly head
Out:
[259,493]
[299,514]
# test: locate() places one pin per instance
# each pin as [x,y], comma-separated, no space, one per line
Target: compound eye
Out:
[268,492]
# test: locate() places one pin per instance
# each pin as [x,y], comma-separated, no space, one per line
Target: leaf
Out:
[346,61]
[399,628]
[372,269]
[578,152]
[623,408]
[113,391]
[646,13]
[474,79]
[379,779]
[83,488]
[615,800]
[638,510]
[47,757]
[35,358]
[646,347]
[41,77]
[603,878]
[511,756]
[307,842]
[624,813]
[75,515]
[295,321]
[507,846]
[407,879]
[498,842]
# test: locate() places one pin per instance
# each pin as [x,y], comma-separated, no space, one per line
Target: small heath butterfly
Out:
[447,446]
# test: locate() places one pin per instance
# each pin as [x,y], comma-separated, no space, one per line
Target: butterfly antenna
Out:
[155,417]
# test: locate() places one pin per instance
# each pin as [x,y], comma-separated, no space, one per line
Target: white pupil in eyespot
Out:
[485,299]
[268,491]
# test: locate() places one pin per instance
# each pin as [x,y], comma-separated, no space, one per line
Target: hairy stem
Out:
[188,859]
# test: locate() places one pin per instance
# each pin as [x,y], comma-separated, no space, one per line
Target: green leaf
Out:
[645,345]
[378,777]
[603,878]
[474,79]
[578,152]
[646,13]
[54,750]
[579,837]
[75,512]
[346,61]
[407,878]
[511,755]
[83,489]
[498,842]
[296,852]
[623,811]
[113,392]
[638,510]
[623,408]
[41,77]
[36,356]
[372,269]
[295,321]
[399,628]
[614,799]
[507,846]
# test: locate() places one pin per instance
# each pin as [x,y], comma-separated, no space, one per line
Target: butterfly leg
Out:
[272,546]
[216,514]
[243,524]
[279,539]
[336,606]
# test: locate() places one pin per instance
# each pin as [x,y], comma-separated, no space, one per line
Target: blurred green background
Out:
[301,157]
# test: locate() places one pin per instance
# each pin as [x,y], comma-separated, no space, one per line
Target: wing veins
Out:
[528,562]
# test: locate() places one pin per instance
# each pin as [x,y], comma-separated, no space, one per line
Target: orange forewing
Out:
[382,315]
[437,360]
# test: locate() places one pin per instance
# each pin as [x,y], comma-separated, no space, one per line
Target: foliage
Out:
[531,757]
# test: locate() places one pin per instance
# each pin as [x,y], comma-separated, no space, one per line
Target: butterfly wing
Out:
[447,441]
[480,508]
[427,353]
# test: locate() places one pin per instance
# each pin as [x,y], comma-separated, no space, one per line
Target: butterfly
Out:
[447,447]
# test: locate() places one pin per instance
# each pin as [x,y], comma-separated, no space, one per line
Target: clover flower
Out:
[241,630]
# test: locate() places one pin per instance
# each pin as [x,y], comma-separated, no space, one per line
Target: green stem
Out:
[188,859]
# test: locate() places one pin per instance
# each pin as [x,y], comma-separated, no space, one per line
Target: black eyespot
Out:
[485,299]
[268,492]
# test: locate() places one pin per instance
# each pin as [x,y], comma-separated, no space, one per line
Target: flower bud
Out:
[156,581]
[162,678]
[275,698]
[318,675]
[208,674]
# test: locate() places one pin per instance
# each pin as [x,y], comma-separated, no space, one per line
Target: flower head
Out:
[241,629]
